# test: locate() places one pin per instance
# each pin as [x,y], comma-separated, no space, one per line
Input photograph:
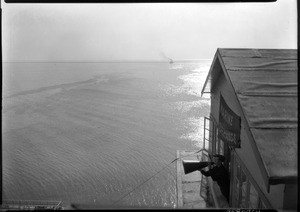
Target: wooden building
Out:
[254,123]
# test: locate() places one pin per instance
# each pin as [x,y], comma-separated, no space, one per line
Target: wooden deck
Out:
[188,185]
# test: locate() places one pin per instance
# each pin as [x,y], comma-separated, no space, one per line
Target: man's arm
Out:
[205,173]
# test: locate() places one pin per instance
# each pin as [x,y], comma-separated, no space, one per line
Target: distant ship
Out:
[164,56]
[170,61]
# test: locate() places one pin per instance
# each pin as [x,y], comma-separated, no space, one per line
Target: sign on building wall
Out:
[229,125]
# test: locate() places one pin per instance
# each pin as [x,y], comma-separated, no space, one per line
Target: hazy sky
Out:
[144,31]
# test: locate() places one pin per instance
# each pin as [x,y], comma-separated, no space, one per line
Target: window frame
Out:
[262,201]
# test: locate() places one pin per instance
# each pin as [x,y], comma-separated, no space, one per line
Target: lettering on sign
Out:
[229,127]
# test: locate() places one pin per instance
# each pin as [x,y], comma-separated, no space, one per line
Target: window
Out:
[243,188]
[212,135]
[218,147]
[245,192]
[221,147]
[236,185]
[215,135]
[253,198]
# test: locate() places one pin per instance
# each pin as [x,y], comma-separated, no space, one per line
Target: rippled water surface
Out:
[95,133]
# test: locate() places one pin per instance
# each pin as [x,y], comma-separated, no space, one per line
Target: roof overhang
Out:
[212,75]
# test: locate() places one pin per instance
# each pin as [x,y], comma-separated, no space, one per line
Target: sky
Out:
[143,31]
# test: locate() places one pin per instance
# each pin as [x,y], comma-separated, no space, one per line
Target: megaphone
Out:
[194,165]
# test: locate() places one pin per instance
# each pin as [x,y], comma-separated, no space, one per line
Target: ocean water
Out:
[97,133]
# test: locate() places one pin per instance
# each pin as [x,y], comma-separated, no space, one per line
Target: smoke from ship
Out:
[164,56]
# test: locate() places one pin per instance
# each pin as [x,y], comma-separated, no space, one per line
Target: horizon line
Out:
[100,61]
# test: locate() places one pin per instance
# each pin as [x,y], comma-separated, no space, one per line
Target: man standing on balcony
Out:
[218,173]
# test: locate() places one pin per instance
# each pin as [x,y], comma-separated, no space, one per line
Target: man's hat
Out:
[221,157]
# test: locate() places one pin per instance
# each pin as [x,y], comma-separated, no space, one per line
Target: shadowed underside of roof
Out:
[265,81]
